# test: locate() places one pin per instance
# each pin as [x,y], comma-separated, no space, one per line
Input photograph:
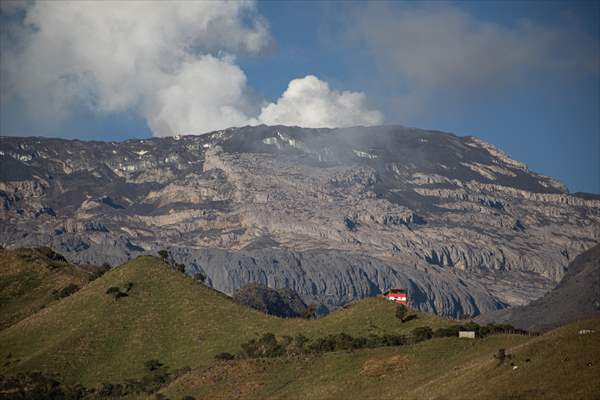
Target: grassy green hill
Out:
[91,337]
[156,312]
[31,279]
[558,365]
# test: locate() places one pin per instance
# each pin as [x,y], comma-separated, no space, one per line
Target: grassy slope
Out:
[448,368]
[91,338]
[27,279]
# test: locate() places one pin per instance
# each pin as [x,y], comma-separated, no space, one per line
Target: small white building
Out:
[466,334]
[586,331]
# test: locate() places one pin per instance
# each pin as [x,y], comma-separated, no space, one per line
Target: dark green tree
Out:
[422,333]
[401,312]
[164,254]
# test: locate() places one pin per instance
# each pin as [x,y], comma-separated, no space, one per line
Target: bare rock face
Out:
[334,214]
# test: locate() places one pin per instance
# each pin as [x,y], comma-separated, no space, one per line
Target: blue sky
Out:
[521,75]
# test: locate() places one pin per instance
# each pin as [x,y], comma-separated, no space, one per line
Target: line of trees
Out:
[269,345]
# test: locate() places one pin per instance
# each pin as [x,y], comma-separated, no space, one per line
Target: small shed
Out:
[397,295]
[466,334]
[586,331]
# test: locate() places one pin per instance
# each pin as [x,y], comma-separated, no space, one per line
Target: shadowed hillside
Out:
[280,302]
[576,297]
[31,279]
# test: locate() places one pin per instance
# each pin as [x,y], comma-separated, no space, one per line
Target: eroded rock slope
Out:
[334,214]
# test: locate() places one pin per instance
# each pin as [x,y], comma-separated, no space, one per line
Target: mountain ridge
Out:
[465,227]
[576,297]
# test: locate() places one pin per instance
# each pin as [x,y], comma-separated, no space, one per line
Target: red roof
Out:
[395,291]
[396,295]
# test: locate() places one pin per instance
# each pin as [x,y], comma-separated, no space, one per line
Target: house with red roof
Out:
[396,295]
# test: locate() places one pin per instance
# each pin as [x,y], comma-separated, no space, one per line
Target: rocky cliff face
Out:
[333,214]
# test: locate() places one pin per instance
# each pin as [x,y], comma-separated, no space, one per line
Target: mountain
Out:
[333,214]
[32,279]
[576,297]
[145,310]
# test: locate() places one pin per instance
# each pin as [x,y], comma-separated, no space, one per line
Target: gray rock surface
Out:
[453,219]
[576,297]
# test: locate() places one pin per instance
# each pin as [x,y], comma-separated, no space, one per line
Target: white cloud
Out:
[208,94]
[153,58]
[173,63]
[310,102]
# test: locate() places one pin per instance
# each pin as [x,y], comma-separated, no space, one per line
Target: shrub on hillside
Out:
[199,276]
[266,346]
[322,345]
[410,317]
[224,356]
[65,292]
[401,311]
[422,333]
[120,295]
[116,292]
[394,340]
[152,365]
[112,290]
[179,267]
[164,254]
[298,346]
[311,312]
[446,332]
[500,355]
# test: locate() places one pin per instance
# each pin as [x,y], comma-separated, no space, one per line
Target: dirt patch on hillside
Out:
[378,367]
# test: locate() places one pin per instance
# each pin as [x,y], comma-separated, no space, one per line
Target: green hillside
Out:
[91,337]
[31,279]
[559,365]
[153,312]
